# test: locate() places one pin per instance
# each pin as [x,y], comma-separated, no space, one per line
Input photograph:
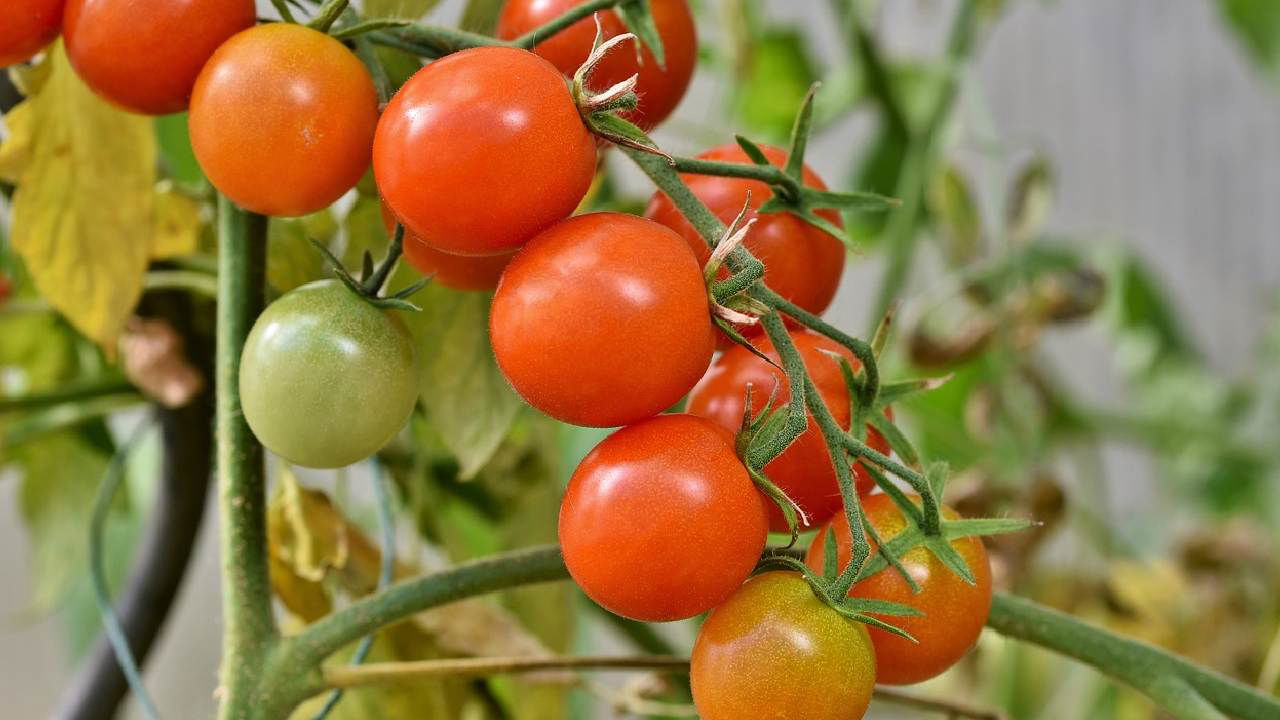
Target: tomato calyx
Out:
[375,277]
[730,303]
[758,430]
[600,111]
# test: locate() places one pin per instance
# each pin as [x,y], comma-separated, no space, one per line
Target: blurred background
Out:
[1097,262]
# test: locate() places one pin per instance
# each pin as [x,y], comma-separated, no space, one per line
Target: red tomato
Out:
[660,88]
[144,55]
[482,150]
[460,272]
[603,320]
[774,651]
[26,26]
[802,263]
[954,611]
[661,521]
[282,119]
[804,470]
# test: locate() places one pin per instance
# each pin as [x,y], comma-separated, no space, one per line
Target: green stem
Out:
[573,15]
[327,15]
[201,283]
[430,41]
[61,396]
[747,171]
[797,418]
[873,66]
[1187,690]
[249,630]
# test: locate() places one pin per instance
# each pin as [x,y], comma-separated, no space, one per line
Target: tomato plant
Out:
[482,150]
[282,119]
[144,55]
[26,26]
[661,521]
[954,611]
[802,263]
[327,378]
[803,471]
[460,272]
[603,320]
[660,86]
[774,651]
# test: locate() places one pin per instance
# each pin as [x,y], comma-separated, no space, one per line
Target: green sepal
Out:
[830,556]
[637,15]
[897,439]
[752,150]
[857,201]
[800,136]
[975,527]
[936,477]
[780,499]
[881,607]
[620,132]
[947,555]
[893,392]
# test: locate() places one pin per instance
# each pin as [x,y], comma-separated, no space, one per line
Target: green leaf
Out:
[956,214]
[402,9]
[638,17]
[1257,26]
[777,77]
[972,527]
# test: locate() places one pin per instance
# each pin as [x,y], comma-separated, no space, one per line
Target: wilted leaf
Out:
[306,532]
[956,214]
[1030,200]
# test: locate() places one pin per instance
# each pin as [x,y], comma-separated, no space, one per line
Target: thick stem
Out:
[1172,681]
[348,676]
[749,171]
[249,629]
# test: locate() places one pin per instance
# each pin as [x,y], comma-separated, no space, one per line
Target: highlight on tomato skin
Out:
[954,611]
[774,651]
[661,521]
[282,119]
[145,55]
[27,27]
[482,150]
[804,470]
[660,87]
[602,320]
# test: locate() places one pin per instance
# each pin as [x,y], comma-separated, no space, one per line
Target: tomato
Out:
[954,611]
[26,26]
[144,55]
[460,272]
[660,88]
[774,651]
[327,378]
[802,263]
[661,521]
[482,150]
[804,470]
[282,119]
[603,320]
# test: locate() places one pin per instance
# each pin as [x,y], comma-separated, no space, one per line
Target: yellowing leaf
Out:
[83,208]
[15,150]
[177,223]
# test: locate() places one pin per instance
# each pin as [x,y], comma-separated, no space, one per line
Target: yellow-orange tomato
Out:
[144,55]
[954,611]
[26,26]
[774,651]
[282,119]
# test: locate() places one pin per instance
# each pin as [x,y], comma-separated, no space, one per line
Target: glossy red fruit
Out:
[954,611]
[804,470]
[26,26]
[603,320]
[774,651]
[282,119]
[460,272]
[661,521]
[660,87]
[482,150]
[803,264]
[144,55]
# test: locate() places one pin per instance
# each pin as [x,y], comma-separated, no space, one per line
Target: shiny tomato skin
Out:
[144,55]
[482,150]
[326,378]
[804,469]
[660,87]
[460,272]
[26,27]
[954,611]
[802,263]
[602,320]
[282,119]
[774,651]
[660,521]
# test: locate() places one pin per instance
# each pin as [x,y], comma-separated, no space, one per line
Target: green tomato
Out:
[327,378]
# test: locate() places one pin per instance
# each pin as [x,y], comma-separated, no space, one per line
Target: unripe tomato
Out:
[804,470]
[26,26]
[144,55]
[660,88]
[282,119]
[603,320]
[460,272]
[661,521]
[482,150]
[954,611]
[802,263]
[327,378]
[774,651]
